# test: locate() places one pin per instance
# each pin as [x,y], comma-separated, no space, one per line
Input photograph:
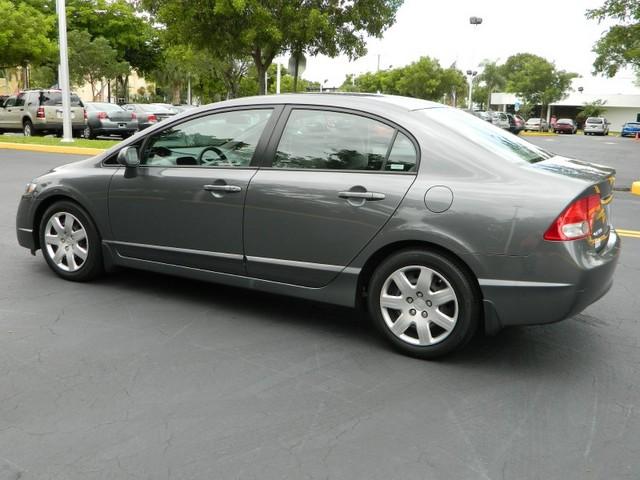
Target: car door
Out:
[335,178]
[184,204]
[10,114]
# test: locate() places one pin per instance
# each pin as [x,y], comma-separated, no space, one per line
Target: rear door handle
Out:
[222,188]
[362,195]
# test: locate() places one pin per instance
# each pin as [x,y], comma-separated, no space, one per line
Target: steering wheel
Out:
[219,152]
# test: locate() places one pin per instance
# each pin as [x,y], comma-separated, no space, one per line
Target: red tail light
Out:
[85,114]
[40,112]
[134,116]
[102,115]
[576,221]
[152,118]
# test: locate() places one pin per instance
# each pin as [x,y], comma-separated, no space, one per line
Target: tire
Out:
[427,330]
[88,133]
[27,128]
[81,237]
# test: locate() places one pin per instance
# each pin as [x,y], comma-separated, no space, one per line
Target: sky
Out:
[554,29]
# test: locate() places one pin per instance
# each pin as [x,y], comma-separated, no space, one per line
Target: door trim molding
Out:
[230,256]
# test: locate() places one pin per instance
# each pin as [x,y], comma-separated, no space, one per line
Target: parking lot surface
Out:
[145,376]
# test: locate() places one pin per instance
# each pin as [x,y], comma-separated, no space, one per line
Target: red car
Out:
[565,125]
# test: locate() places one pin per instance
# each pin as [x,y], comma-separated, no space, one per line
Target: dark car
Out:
[565,125]
[434,221]
[149,113]
[630,129]
[109,119]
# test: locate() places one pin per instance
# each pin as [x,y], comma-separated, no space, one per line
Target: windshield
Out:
[105,107]
[594,120]
[565,120]
[52,99]
[632,124]
[498,141]
[533,120]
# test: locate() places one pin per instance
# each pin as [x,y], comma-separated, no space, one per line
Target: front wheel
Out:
[70,242]
[424,303]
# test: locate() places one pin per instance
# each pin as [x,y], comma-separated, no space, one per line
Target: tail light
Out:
[40,112]
[152,118]
[576,221]
[85,113]
[134,116]
[102,115]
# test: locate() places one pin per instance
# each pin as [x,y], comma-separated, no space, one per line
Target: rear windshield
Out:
[594,120]
[565,120]
[105,107]
[533,120]
[498,141]
[52,99]
[155,108]
[633,124]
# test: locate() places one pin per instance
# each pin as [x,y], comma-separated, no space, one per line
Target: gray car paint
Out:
[494,226]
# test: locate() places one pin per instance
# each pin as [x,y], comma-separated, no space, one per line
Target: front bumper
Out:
[587,276]
[24,224]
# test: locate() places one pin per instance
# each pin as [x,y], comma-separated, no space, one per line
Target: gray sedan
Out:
[109,119]
[435,222]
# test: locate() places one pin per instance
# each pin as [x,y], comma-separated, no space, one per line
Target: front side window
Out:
[10,102]
[20,100]
[226,139]
[317,139]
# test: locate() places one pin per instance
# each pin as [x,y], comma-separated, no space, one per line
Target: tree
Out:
[593,109]
[262,29]
[535,79]
[493,78]
[92,61]
[620,45]
[24,35]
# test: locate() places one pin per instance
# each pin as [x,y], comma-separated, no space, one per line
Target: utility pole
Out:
[63,69]
[475,21]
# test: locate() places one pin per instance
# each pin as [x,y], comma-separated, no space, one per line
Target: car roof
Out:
[364,101]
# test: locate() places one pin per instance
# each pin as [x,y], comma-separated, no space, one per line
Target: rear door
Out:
[332,180]
[7,113]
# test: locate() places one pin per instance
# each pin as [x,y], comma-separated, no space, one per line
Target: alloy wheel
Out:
[66,241]
[419,305]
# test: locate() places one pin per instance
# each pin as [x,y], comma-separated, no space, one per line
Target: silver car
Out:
[536,125]
[596,126]
[109,119]
[435,222]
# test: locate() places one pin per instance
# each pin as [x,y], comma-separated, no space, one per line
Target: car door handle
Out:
[222,188]
[362,195]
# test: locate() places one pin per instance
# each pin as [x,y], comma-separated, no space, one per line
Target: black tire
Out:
[92,265]
[466,291]
[88,133]
[27,129]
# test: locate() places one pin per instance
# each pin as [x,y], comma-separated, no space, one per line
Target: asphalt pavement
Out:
[144,376]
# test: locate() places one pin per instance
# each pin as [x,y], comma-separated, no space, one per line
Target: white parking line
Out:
[610,143]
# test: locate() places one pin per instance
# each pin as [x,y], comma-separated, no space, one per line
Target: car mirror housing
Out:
[129,157]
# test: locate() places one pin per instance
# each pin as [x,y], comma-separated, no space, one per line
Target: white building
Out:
[619,108]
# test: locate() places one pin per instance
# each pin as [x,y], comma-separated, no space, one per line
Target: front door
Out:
[184,204]
[335,180]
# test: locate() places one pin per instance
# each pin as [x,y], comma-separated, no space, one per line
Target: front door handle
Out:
[222,188]
[362,195]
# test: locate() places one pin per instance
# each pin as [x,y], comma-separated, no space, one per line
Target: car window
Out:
[403,156]
[594,121]
[226,139]
[53,99]
[500,142]
[10,102]
[105,107]
[20,100]
[320,139]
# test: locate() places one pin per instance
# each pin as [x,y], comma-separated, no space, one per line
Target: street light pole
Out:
[473,21]
[63,72]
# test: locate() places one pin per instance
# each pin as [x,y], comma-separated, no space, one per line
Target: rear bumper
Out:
[588,277]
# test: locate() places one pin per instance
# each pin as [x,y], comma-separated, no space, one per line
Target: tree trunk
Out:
[175,96]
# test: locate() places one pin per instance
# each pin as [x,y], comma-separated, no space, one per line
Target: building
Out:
[619,108]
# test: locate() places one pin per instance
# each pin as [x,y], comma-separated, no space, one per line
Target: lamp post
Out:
[63,72]
[475,21]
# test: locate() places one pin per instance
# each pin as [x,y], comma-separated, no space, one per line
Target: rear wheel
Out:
[27,128]
[88,133]
[70,242]
[423,303]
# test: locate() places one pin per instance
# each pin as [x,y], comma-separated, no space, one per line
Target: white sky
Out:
[554,29]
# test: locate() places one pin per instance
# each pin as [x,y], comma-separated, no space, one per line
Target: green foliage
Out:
[25,34]
[620,45]
[92,60]
[593,109]
[262,29]
[422,79]
[535,79]
[491,79]
[43,76]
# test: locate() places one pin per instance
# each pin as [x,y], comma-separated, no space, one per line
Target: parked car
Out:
[500,120]
[175,108]
[536,125]
[565,125]
[596,126]
[39,112]
[516,123]
[435,222]
[109,119]
[148,113]
[630,129]
[482,115]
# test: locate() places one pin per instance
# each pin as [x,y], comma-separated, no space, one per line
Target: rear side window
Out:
[403,155]
[325,140]
[54,99]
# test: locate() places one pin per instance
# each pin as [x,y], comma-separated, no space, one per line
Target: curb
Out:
[635,188]
[51,148]
[537,134]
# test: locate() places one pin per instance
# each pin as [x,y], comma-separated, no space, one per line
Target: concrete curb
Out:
[51,148]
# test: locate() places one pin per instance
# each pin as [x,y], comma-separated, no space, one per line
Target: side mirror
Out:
[129,157]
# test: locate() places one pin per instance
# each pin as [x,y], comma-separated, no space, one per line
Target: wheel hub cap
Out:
[66,242]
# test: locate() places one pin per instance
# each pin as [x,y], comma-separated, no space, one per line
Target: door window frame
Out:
[279,128]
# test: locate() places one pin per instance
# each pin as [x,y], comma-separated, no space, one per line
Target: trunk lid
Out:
[601,181]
